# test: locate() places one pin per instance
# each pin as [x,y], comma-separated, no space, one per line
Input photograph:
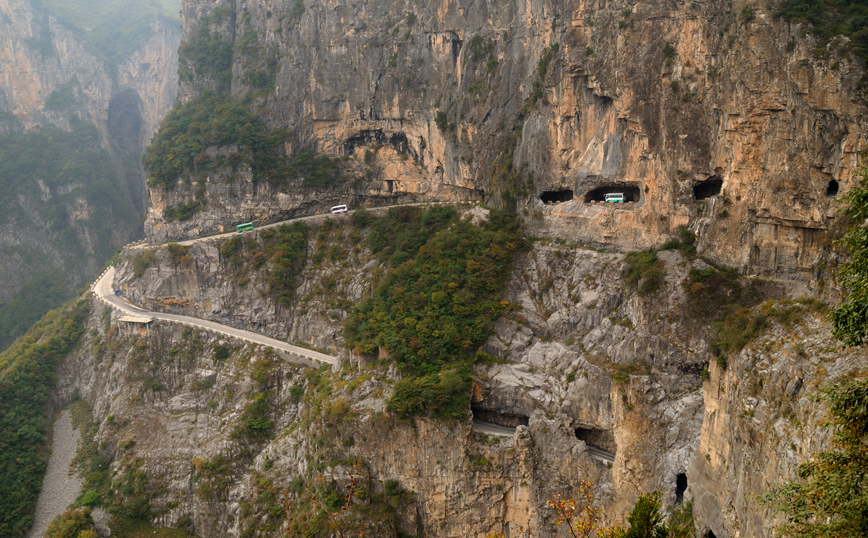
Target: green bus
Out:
[247,226]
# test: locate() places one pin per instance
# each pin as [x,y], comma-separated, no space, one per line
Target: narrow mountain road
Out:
[102,288]
[310,218]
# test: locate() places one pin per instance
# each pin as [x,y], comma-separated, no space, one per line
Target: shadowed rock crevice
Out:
[708,188]
[126,132]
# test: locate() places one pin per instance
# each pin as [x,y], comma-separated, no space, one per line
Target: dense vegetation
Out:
[180,147]
[437,303]
[26,376]
[829,497]
[830,18]
[53,171]
[113,28]
[851,316]
[206,54]
[185,145]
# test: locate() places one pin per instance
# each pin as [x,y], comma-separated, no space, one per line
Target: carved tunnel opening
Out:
[601,443]
[709,534]
[490,416]
[126,133]
[832,189]
[631,193]
[708,188]
[680,487]
[549,197]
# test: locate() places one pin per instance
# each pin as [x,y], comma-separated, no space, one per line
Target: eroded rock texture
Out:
[727,124]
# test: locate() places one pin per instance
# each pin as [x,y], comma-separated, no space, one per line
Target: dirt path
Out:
[60,486]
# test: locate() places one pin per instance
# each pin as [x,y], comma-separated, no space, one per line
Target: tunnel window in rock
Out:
[832,189]
[680,487]
[564,195]
[709,534]
[126,133]
[708,188]
[501,419]
[631,193]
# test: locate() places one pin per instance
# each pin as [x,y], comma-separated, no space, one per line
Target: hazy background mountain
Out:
[84,84]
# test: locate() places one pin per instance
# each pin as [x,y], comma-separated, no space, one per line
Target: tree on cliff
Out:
[830,497]
[851,316]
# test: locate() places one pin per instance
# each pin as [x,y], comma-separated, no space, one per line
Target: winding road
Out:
[102,288]
[310,218]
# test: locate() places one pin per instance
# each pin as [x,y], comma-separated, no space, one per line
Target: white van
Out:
[614,198]
[339,209]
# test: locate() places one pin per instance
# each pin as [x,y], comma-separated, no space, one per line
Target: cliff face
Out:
[64,219]
[586,365]
[762,420]
[575,327]
[555,102]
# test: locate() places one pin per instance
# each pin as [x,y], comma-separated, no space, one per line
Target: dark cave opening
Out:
[708,188]
[126,132]
[549,197]
[709,534]
[597,437]
[832,189]
[631,193]
[490,416]
[680,487]
[377,137]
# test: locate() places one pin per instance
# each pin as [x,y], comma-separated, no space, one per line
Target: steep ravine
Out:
[585,361]
[74,125]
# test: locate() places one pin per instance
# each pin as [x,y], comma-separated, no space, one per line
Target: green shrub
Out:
[441,120]
[72,523]
[851,316]
[221,353]
[440,395]
[289,256]
[90,498]
[437,303]
[645,271]
[143,261]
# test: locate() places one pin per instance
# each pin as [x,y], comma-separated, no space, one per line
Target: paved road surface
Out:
[492,429]
[102,288]
[311,218]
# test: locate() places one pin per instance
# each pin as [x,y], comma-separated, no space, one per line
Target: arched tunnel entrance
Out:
[631,193]
[126,133]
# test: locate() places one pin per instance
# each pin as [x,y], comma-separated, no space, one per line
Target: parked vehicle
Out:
[614,198]
[117,292]
[339,209]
